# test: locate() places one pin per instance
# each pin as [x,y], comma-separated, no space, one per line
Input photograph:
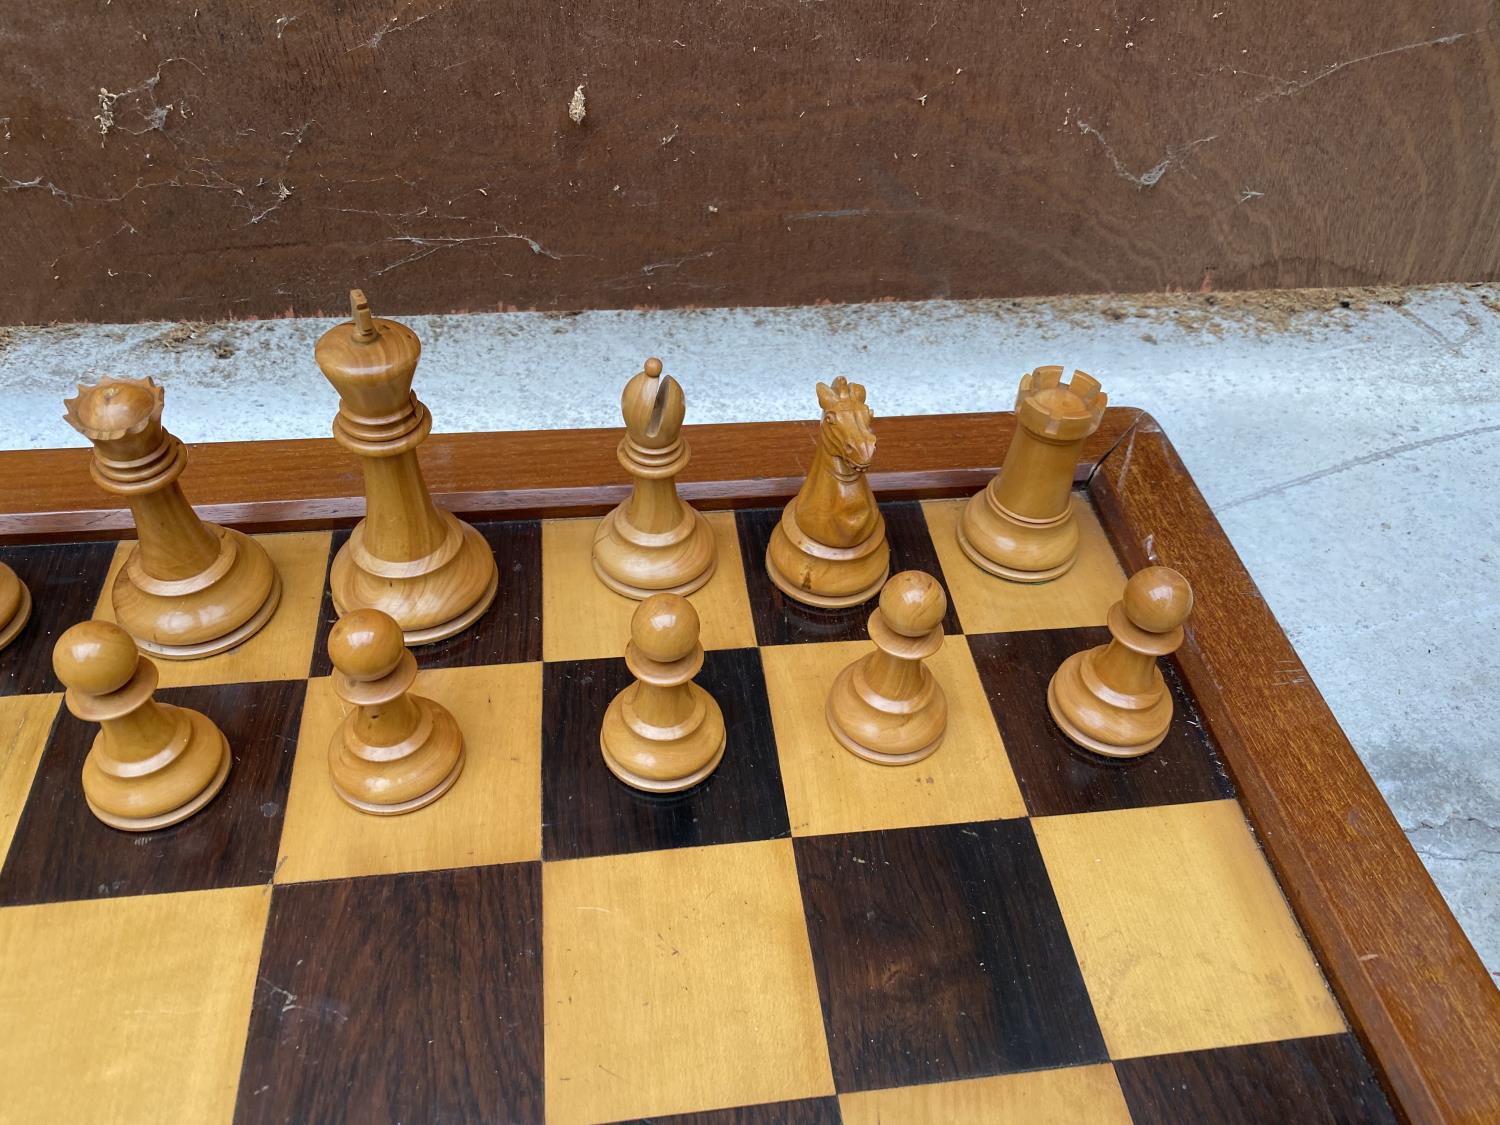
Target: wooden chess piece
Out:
[187,588]
[434,574]
[1022,525]
[830,548]
[663,733]
[1112,699]
[394,752]
[151,764]
[15,605]
[653,542]
[887,707]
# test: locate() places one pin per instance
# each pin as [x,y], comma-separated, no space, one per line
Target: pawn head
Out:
[912,603]
[366,644]
[1158,599]
[664,628]
[95,658]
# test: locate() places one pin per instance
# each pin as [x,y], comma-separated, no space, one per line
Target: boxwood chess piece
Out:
[394,752]
[1022,525]
[15,605]
[887,707]
[830,548]
[187,588]
[151,764]
[1112,699]
[663,733]
[654,542]
[407,557]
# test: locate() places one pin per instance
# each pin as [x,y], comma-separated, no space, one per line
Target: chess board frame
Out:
[1413,988]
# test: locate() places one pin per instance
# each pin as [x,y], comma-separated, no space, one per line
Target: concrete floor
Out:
[1342,448]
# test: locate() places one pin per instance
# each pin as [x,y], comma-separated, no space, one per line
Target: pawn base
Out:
[698,751]
[405,806]
[1113,732]
[12,628]
[183,811]
[436,742]
[1015,549]
[926,727]
[635,567]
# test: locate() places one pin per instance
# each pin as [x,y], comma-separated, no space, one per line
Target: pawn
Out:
[887,707]
[654,542]
[1112,699]
[151,764]
[394,752]
[15,605]
[663,733]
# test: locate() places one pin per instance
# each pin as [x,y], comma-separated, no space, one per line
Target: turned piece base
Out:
[658,765]
[204,739]
[441,741]
[1015,549]
[827,577]
[429,598]
[10,629]
[895,737]
[636,564]
[1103,727]
[209,613]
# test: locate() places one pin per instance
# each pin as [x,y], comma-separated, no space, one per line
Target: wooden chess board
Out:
[1230,929]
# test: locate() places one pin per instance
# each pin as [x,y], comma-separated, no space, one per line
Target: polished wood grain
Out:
[25,723]
[1183,937]
[1066,1096]
[653,542]
[778,154]
[65,580]
[407,558]
[1022,526]
[941,954]
[656,1000]
[61,851]
[829,548]
[830,790]
[804,1111]
[1056,776]
[1323,1080]
[492,815]
[1411,984]
[587,812]
[453,1032]
[129,1010]
[284,485]
[781,620]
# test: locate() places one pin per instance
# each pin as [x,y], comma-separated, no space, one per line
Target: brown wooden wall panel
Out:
[192,160]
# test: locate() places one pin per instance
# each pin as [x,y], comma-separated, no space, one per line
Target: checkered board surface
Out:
[1010,930]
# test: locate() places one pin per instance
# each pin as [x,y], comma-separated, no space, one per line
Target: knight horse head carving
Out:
[846,434]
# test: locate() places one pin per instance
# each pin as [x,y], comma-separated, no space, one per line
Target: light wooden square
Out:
[128,1009]
[676,981]
[583,619]
[282,650]
[1182,933]
[25,723]
[828,789]
[493,813]
[1039,1097]
[988,604]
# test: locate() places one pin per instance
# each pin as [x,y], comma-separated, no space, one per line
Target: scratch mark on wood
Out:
[1151,176]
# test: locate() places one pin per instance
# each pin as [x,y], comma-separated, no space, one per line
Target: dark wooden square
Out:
[941,954]
[61,851]
[1309,1081]
[780,620]
[805,1111]
[65,580]
[509,632]
[586,811]
[400,998]
[1058,777]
